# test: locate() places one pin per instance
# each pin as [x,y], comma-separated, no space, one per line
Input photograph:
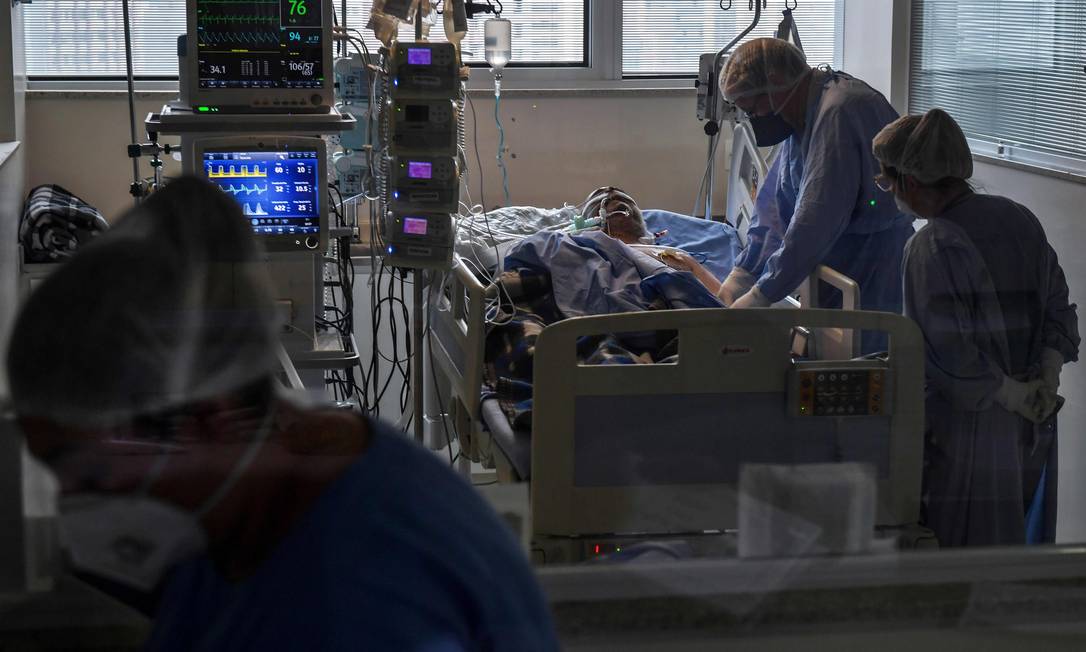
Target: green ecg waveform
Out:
[211,20]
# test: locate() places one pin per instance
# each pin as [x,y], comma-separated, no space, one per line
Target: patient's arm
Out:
[684,262]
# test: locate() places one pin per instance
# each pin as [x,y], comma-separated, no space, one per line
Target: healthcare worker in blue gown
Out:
[142,373]
[819,204]
[986,288]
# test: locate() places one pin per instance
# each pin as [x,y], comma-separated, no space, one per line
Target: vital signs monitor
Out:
[259,55]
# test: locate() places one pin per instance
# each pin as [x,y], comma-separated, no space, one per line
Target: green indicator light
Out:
[203,109]
[872,202]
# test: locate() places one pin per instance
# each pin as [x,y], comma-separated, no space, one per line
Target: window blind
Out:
[548,33]
[1008,71]
[667,38]
[85,38]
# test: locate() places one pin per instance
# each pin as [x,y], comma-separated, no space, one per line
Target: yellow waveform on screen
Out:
[222,172]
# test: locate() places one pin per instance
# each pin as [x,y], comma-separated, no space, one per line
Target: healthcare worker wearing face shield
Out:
[986,288]
[819,204]
[142,373]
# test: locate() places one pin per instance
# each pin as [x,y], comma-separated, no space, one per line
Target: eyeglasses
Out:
[884,183]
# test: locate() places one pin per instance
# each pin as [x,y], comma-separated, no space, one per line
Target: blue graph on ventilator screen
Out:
[255,190]
[259,210]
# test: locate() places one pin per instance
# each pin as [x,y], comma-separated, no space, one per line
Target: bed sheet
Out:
[714,244]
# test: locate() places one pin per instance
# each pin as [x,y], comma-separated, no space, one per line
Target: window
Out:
[85,38]
[544,33]
[1010,72]
[667,38]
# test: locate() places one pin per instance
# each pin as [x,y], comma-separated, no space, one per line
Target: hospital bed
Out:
[458,337]
[595,427]
[459,328]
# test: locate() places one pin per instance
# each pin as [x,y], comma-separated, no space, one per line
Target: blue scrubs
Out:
[399,553]
[820,205]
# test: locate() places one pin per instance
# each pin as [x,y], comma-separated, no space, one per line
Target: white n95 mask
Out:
[131,540]
[135,540]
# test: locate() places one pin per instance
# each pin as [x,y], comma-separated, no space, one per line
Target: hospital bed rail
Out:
[458,324]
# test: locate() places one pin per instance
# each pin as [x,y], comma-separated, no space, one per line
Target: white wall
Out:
[868,31]
[560,147]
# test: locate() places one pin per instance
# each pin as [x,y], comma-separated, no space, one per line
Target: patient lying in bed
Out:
[622,220]
[553,275]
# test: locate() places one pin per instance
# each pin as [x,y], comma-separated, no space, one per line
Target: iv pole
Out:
[418,380]
[712,128]
[136,183]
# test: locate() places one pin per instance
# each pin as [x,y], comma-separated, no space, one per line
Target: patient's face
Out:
[623,221]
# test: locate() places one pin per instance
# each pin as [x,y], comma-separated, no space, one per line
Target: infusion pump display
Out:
[278,191]
[260,44]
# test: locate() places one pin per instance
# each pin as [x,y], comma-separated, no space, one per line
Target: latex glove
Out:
[1048,402]
[1051,366]
[1022,398]
[752,299]
[738,283]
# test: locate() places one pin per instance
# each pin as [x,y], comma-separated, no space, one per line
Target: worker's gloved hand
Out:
[1048,402]
[1051,366]
[1022,398]
[738,283]
[752,299]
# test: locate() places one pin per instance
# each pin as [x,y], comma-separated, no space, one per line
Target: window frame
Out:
[603,49]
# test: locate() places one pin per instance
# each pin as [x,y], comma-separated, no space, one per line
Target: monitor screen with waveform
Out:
[260,43]
[278,191]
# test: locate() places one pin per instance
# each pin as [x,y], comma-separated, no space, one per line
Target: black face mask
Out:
[770,130]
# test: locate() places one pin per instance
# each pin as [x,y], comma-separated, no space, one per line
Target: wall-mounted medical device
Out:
[258,56]
[424,70]
[422,118]
[351,170]
[424,183]
[277,180]
[425,127]
[419,240]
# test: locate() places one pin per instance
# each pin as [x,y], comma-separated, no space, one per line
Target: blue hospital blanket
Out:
[554,276]
[713,244]
[594,274]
